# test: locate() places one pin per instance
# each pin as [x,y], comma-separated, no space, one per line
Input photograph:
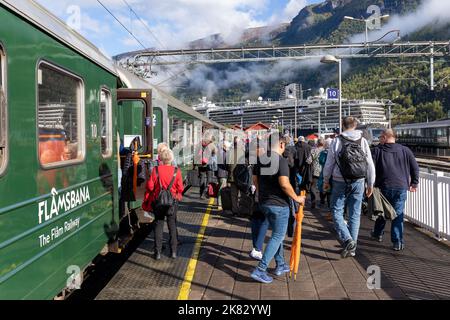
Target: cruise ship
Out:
[314,114]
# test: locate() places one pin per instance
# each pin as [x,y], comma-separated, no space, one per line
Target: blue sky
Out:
[173,23]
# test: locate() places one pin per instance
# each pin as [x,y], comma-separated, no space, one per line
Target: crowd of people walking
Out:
[338,173]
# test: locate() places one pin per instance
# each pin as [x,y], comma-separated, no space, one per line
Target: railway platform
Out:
[214,264]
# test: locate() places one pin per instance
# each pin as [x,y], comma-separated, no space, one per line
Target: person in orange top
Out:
[165,175]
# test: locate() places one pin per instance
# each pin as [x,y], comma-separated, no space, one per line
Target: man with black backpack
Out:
[349,164]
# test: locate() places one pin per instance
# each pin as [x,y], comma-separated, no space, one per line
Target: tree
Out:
[429,111]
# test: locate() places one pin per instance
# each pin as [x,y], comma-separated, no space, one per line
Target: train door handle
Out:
[94,130]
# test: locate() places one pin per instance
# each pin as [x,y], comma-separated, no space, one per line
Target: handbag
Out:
[213,190]
[147,203]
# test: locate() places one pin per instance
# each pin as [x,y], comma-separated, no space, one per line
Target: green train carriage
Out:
[63,109]
[173,122]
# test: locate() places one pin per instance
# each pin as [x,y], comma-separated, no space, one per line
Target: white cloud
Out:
[435,12]
[293,8]
[175,22]
[290,11]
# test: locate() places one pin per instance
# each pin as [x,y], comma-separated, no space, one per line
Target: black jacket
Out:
[303,152]
[396,167]
[222,171]
[290,153]
[303,164]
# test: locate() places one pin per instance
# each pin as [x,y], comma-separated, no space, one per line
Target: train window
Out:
[3,121]
[60,116]
[106,122]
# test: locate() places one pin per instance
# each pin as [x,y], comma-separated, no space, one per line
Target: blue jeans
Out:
[278,218]
[397,198]
[259,230]
[351,195]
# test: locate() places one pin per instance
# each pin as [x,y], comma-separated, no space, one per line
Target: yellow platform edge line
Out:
[190,271]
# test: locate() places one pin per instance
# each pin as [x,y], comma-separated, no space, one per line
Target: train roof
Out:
[49,23]
[132,81]
[433,124]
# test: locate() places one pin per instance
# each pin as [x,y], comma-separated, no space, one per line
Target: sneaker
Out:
[398,246]
[349,246]
[261,276]
[352,253]
[280,270]
[219,209]
[375,237]
[157,255]
[255,254]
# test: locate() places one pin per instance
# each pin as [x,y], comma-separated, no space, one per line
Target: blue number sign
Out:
[332,94]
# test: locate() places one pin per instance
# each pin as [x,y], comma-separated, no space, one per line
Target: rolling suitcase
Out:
[246,205]
[225,195]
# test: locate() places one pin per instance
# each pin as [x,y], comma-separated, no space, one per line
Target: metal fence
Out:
[429,207]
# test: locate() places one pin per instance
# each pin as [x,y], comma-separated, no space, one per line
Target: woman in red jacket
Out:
[164,176]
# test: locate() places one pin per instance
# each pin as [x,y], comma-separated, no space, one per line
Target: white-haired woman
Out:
[163,176]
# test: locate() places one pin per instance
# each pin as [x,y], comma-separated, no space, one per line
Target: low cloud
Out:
[209,81]
[430,12]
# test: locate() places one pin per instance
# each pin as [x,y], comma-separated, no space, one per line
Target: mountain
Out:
[325,23]
[258,36]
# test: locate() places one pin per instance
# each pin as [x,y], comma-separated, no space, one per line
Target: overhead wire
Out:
[120,22]
[144,24]
[172,75]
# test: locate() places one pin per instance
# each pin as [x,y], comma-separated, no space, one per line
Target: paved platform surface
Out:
[223,267]
[142,277]
[421,271]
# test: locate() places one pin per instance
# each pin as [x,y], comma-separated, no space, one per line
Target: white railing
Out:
[429,207]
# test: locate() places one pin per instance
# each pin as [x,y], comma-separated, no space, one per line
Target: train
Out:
[426,138]
[68,114]
[372,133]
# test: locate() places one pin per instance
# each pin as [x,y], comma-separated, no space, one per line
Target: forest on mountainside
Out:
[404,81]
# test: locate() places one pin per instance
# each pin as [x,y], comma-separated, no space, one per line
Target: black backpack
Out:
[243,177]
[165,198]
[352,160]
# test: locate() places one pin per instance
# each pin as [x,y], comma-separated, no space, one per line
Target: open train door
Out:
[135,98]
[135,129]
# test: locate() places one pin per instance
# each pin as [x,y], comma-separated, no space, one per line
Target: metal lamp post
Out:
[295,114]
[282,119]
[329,59]
[276,119]
[318,120]
[366,22]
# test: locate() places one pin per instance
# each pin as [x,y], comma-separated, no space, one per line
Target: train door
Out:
[3,118]
[135,130]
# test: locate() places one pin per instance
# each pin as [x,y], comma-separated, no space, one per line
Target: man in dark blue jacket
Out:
[397,172]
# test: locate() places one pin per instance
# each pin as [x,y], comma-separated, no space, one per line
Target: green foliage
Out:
[429,111]
[405,82]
